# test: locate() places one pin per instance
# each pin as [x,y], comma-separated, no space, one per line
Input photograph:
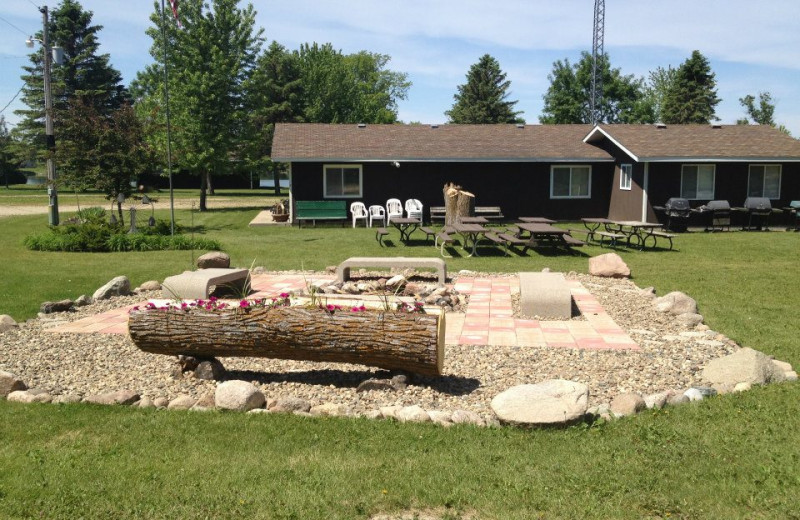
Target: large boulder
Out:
[10,383]
[7,322]
[743,366]
[214,259]
[28,396]
[552,402]
[291,405]
[609,265]
[238,395]
[59,306]
[676,303]
[123,397]
[118,286]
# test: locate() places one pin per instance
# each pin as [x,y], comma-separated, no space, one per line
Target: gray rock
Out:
[182,402]
[742,387]
[656,401]
[412,413]
[145,402]
[373,414]
[396,281]
[676,303]
[441,418]
[83,301]
[238,395]
[291,404]
[400,381]
[150,285]
[744,365]
[209,370]
[10,383]
[693,394]
[330,409]
[381,385]
[161,402]
[121,397]
[706,391]
[676,399]
[627,404]
[466,417]
[690,319]
[723,388]
[187,363]
[609,265]
[214,259]
[7,323]
[783,366]
[790,376]
[66,399]
[390,412]
[59,306]
[118,286]
[552,402]
[259,410]
[26,396]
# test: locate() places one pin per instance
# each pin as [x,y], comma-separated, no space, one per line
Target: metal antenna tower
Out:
[597,55]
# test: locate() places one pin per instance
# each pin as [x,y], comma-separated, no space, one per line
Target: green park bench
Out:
[314,210]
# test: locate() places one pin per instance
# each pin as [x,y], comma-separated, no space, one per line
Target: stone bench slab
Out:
[545,294]
[399,262]
[194,285]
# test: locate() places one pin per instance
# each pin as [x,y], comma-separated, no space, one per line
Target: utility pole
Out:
[52,177]
[597,55]
[169,126]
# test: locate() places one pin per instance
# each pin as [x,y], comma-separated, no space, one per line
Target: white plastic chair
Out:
[377,212]
[359,211]
[394,208]
[414,209]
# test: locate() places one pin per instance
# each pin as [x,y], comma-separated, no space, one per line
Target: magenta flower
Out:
[284,295]
[244,304]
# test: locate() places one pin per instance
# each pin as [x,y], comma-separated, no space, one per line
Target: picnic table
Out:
[537,220]
[406,226]
[635,229]
[544,234]
[470,233]
[473,220]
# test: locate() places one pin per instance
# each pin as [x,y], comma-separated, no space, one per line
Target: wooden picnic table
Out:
[537,220]
[470,233]
[637,229]
[544,234]
[473,220]
[406,226]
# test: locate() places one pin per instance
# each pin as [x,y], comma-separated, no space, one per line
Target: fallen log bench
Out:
[545,294]
[193,285]
[408,341]
[399,262]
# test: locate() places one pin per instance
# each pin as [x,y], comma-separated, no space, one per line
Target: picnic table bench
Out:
[489,212]
[314,210]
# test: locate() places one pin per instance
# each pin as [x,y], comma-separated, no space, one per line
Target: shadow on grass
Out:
[447,384]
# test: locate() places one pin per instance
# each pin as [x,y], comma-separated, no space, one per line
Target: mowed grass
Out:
[734,456]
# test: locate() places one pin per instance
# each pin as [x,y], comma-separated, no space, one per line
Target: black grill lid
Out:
[718,205]
[752,203]
[677,204]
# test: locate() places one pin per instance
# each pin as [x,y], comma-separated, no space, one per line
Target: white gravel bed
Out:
[671,357]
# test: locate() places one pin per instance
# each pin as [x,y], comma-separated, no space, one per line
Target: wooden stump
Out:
[457,203]
[412,342]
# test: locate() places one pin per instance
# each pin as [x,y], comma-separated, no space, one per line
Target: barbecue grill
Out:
[758,210]
[717,214]
[676,211]
[794,214]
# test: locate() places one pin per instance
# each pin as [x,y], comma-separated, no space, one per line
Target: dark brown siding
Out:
[520,189]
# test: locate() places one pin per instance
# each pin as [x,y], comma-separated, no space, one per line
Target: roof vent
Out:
[661,126]
[716,125]
[362,125]
[434,126]
[520,125]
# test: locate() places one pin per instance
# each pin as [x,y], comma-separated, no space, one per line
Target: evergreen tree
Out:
[568,99]
[84,71]
[692,97]
[211,56]
[9,160]
[483,98]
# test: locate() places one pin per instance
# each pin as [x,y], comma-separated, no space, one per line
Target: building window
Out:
[764,181]
[697,181]
[570,182]
[342,181]
[625,176]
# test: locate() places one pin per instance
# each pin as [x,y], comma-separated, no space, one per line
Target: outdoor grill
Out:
[794,214]
[676,211]
[758,210]
[717,214]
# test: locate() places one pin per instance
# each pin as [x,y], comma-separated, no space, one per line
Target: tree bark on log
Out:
[457,203]
[411,342]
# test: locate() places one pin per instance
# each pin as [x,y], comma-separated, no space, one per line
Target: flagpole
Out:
[169,128]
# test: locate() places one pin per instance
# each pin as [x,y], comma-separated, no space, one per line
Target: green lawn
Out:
[729,457]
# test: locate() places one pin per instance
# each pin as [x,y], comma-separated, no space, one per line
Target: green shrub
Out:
[92,214]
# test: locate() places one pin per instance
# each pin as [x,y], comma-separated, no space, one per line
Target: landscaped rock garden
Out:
[680,360]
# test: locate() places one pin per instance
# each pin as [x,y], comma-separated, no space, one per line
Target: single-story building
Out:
[563,172]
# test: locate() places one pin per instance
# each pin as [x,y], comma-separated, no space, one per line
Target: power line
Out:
[14,26]
[12,99]
[34,5]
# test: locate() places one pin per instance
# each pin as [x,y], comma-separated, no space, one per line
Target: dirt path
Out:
[183,203]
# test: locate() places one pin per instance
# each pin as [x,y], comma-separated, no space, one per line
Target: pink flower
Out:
[244,304]
[150,305]
[331,307]
[201,302]
[212,299]
[284,295]
[222,305]
[362,308]
[135,308]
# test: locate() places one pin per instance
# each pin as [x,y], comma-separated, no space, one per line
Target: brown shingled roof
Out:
[723,142]
[349,142]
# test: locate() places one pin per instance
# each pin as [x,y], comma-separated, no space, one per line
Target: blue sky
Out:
[752,46]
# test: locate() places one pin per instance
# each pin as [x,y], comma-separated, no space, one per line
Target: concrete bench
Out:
[400,262]
[196,285]
[545,294]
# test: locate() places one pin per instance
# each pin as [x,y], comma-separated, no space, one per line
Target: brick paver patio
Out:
[488,319]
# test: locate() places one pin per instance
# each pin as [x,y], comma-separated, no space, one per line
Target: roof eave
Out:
[619,145]
[445,159]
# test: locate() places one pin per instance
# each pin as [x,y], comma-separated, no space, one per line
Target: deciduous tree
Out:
[483,99]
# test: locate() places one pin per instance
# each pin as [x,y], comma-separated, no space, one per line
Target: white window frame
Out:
[570,166]
[764,180]
[623,176]
[349,166]
[713,181]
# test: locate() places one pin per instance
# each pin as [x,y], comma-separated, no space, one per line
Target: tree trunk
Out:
[203,186]
[209,184]
[411,342]
[277,178]
[121,215]
[457,203]
[465,206]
